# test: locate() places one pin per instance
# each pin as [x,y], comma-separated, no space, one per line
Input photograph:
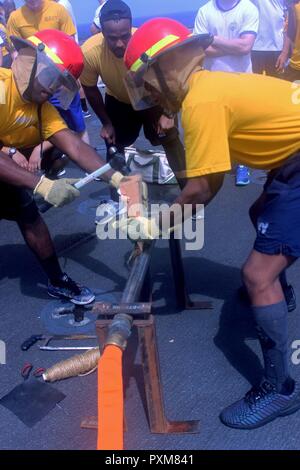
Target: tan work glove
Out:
[116,179]
[57,192]
[138,228]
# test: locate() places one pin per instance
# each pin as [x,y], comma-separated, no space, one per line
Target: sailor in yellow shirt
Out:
[103,57]
[37,15]
[254,120]
[6,52]
[7,49]
[289,59]
[48,62]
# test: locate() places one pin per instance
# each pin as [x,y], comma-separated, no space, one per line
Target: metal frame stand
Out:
[158,421]
[137,286]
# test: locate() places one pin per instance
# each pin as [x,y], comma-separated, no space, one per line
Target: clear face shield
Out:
[163,80]
[38,78]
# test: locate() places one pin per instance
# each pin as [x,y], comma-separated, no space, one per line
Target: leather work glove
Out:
[116,179]
[57,192]
[138,228]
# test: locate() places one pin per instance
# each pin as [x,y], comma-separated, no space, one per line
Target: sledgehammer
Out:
[116,163]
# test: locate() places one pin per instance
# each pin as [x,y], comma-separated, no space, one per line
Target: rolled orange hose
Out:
[110,400]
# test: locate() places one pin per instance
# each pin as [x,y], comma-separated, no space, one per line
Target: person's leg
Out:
[38,239]
[84,136]
[276,248]
[257,58]
[84,106]
[288,290]
[125,120]
[127,127]
[23,210]
[270,61]
[277,394]
[73,116]
[53,162]
[169,140]
[261,277]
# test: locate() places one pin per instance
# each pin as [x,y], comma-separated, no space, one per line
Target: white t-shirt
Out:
[230,24]
[96,19]
[69,8]
[271,25]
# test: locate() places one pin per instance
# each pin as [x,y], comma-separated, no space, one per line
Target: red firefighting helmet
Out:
[60,48]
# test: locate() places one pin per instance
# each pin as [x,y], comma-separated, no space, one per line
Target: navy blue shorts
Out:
[73,116]
[278,221]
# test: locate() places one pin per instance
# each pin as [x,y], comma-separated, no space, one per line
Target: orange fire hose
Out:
[110,385]
[110,380]
[110,400]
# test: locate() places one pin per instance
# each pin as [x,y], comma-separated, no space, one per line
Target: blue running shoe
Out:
[242,175]
[260,406]
[70,290]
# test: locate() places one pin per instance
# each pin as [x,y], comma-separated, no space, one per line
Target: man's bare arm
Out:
[199,190]
[214,51]
[13,174]
[239,46]
[79,152]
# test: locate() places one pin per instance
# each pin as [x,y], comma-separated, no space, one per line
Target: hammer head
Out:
[118,162]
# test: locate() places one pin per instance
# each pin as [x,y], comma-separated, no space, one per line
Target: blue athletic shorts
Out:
[73,116]
[278,222]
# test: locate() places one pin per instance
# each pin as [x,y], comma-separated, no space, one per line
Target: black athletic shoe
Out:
[70,290]
[260,406]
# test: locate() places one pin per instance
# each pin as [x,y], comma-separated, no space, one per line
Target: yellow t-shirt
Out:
[23,22]
[248,118]
[295,59]
[19,120]
[99,61]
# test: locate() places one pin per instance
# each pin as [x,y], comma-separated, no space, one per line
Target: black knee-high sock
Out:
[283,279]
[52,268]
[84,105]
[272,331]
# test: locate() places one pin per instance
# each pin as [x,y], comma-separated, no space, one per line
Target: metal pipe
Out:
[119,330]
[137,275]
[121,325]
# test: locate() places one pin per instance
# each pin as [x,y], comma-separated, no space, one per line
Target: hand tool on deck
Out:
[27,369]
[47,338]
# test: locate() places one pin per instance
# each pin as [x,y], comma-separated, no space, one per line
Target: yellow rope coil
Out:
[81,364]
